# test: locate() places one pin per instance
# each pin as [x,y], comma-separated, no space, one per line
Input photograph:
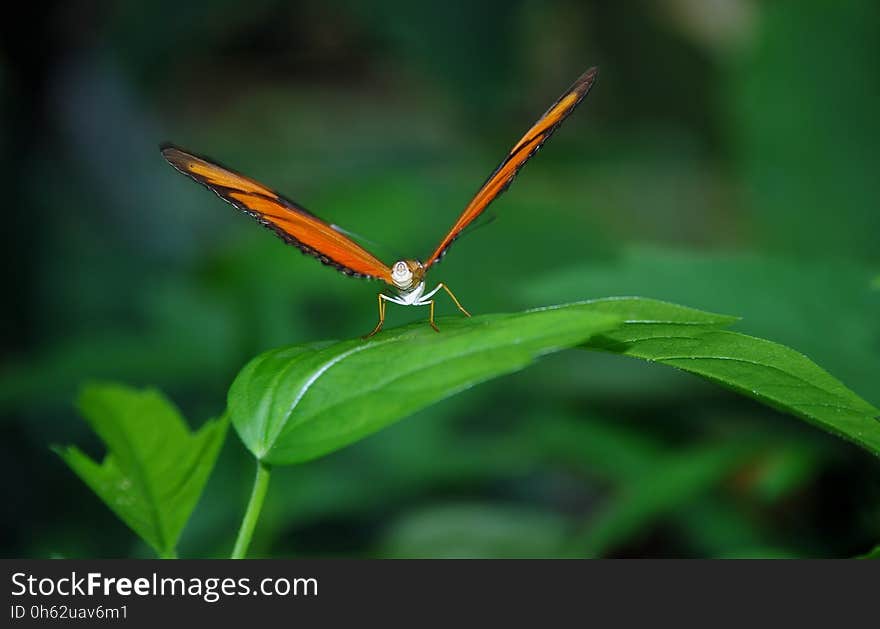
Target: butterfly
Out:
[330,245]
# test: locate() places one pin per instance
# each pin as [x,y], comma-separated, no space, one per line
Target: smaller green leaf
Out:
[874,553]
[155,468]
[297,403]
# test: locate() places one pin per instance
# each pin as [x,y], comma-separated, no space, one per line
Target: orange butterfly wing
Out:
[503,176]
[292,223]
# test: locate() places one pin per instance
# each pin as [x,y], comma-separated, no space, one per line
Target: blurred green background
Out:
[727,159]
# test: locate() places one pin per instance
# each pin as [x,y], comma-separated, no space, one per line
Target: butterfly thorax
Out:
[412,297]
[407,275]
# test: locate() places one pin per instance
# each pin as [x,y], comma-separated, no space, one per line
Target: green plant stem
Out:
[255,504]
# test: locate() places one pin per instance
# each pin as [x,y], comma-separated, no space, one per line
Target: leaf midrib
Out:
[808,383]
[141,470]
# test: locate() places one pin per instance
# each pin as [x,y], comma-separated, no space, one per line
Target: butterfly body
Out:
[332,246]
[413,297]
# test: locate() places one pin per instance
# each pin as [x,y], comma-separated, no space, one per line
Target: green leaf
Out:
[874,553]
[297,403]
[155,468]
[769,372]
[675,481]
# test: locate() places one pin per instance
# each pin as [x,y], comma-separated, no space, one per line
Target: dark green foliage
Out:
[723,162]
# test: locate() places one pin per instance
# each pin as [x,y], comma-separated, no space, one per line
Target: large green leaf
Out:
[766,371]
[297,403]
[155,468]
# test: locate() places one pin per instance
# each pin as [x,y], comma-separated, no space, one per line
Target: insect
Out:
[329,244]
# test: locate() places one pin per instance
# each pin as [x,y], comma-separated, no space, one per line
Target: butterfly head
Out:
[407,274]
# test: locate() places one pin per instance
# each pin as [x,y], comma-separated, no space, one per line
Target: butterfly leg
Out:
[431,316]
[457,303]
[378,327]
